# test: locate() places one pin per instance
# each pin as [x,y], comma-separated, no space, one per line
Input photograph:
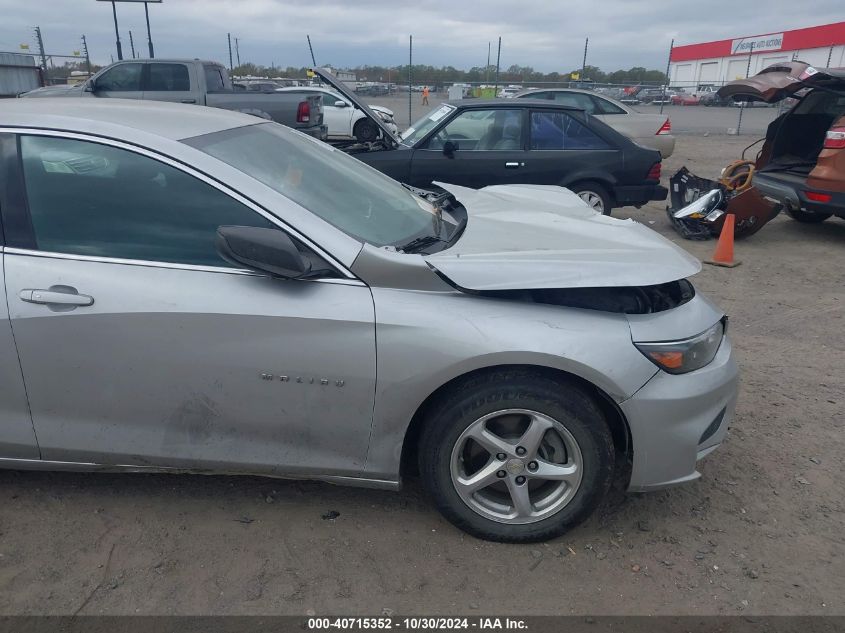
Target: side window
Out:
[558,130]
[603,106]
[91,199]
[330,99]
[121,78]
[479,130]
[168,78]
[214,79]
[576,100]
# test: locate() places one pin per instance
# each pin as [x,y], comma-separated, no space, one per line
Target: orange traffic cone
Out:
[724,254]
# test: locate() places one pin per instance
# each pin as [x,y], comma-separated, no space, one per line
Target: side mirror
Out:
[449,149]
[340,104]
[267,250]
[90,86]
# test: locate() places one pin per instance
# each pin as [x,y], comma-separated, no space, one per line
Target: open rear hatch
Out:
[780,81]
[795,139]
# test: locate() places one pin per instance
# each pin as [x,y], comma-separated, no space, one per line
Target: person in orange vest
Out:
[425,95]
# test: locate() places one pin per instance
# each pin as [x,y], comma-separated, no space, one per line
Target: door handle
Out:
[66,296]
[514,165]
[189,100]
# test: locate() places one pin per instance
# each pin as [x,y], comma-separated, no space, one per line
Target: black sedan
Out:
[476,143]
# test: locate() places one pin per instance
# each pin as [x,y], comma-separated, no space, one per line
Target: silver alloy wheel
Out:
[516,466]
[592,199]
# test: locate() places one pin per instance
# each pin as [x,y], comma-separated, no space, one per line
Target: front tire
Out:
[365,131]
[596,196]
[516,456]
[806,217]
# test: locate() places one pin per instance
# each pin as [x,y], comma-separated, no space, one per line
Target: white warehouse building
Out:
[714,63]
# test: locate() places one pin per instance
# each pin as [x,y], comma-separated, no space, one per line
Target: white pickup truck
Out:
[198,82]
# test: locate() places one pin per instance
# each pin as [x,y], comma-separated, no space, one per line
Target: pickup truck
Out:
[195,81]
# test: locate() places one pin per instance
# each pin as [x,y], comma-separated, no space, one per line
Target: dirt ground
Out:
[760,533]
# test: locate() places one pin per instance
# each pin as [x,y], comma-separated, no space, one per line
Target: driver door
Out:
[490,150]
[139,345]
[121,81]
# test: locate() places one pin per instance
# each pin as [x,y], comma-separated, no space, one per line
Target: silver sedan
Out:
[196,290]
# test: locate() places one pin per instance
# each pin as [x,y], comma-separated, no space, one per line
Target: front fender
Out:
[427,339]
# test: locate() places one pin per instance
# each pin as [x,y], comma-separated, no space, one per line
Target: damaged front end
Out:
[619,299]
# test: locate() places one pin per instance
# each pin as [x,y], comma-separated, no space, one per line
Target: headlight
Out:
[680,357]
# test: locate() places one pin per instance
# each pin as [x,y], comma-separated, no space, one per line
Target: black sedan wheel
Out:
[594,195]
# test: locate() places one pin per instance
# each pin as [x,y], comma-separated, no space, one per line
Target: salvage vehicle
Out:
[183,293]
[196,82]
[802,162]
[344,119]
[647,129]
[800,167]
[484,142]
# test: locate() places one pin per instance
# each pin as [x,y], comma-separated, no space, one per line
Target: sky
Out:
[545,34]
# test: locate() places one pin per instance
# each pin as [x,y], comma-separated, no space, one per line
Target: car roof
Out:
[119,118]
[509,103]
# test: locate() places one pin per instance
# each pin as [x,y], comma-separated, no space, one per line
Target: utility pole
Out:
[229,37]
[149,37]
[410,66]
[87,57]
[584,63]
[311,50]
[116,32]
[668,64]
[498,62]
[131,45]
[237,51]
[41,49]
[487,67]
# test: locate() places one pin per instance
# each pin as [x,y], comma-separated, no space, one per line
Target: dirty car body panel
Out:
[220,368]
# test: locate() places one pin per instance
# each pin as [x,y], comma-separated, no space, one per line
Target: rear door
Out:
[490,150]
[17,436]
[564,149]
[170,82]
[139,345]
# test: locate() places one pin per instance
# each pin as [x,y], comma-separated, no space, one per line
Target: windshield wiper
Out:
[419,242]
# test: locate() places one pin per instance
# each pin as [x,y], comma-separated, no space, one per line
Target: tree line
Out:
[434,76]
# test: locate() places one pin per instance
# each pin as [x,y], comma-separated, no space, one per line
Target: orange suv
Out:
[802,162]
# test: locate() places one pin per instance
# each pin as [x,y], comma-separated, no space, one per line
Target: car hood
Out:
[780,81]
[327,76]
[539,236]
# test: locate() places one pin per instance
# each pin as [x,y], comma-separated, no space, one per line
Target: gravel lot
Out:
[760,533]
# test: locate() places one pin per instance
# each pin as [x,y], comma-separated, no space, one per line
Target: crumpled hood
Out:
[539,236]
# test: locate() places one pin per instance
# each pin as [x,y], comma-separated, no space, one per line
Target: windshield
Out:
[422,127]
[343,191]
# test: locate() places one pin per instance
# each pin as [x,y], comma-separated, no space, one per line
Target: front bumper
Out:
[638,195]
[675,420]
